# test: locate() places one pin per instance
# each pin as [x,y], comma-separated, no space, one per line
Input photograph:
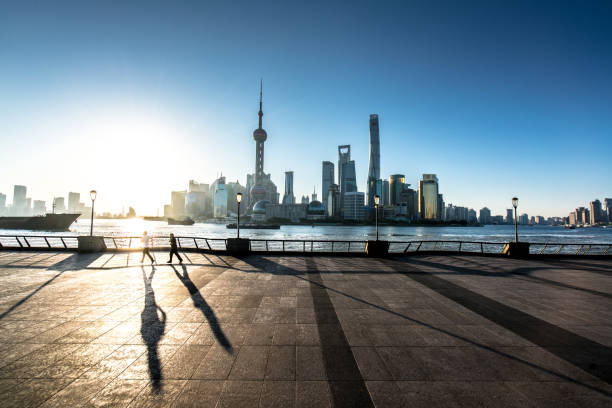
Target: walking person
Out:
[173,250]
[146,243]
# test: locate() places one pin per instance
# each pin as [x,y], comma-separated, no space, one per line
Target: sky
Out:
[499,99]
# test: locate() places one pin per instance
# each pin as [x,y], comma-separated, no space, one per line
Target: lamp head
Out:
[93,194]
[376,199]
[239,197]
[515,202]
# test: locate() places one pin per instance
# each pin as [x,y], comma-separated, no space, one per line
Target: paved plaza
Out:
[299,331]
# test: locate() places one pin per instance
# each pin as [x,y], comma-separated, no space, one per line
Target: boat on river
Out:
[47,222]
[253,226]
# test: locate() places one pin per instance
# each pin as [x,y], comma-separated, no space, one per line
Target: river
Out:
[490,233]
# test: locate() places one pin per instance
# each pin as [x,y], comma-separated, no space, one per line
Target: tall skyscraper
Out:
[2,203]
[595,207]
[354,206]
[428,197]
[509,217]
[607,208]
[288,198]
[347,180]
[74,202]
[220,199]
[344,156]
[327,179]
[19,200]
[485,216]
[396,185]
[58,205]
[374,166]
[177,200]
[39,208]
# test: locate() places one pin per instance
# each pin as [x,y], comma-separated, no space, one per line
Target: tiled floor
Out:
[104,330]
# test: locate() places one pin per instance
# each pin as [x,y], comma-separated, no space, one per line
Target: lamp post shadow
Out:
[152,330]
[202,305]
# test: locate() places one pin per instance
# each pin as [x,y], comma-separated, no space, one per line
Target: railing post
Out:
[130,243]
[481,248]
[579,249]
[542,251]
[332,246]
[460,242]
[26,241]
[267,246]
[47,241]
[311,245]
[419,247]
[207,244]
[19,242]
[115,243]
[195,242]
[606,251]
[304,246]
[408,246]
[63,242]
[283,245]
[559,250]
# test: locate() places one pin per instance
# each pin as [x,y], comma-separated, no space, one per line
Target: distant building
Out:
[354,206]
[305,199]
[2,203]
[407,204]
[58,205]
[596,212]
[374,165]
[292,212]
[472,218]
[220,199]
[74,202]
[327,179]
[19,200]
[524,219]
[233,188]
[428,197]
[509,217]
[607,208]
[385,193]
[540,220]
[315,211]
[288,198]
[39,208]
[347,179]
[396,185]
[168,211]
[497,219]
[484,216]
[333,201]
[177,200]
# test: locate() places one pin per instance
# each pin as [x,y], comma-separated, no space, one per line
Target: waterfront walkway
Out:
[284,331]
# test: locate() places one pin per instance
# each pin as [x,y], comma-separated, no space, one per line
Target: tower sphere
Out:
[260,135]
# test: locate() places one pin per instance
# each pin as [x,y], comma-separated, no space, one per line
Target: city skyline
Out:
[120,109]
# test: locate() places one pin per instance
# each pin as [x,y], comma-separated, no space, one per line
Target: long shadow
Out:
[582,352]
[152,330]
[347,385]
[200,303]
[64,265]
[274,268]
[523,273]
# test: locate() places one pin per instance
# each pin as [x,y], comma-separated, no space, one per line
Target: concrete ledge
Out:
[517,249]
[377,249]
[91,244]
[238,246]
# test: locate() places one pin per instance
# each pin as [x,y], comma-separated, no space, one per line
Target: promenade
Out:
[103,329]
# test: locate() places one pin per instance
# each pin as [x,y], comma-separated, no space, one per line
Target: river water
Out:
[487,233]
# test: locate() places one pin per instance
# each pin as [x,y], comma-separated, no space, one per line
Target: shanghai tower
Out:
[374,168]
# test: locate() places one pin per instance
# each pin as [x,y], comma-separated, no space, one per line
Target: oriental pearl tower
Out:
[258,191]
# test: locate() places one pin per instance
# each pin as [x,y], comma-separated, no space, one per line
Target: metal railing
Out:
[259,245]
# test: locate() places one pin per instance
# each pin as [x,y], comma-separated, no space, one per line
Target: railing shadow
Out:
[202,305]
[152,330]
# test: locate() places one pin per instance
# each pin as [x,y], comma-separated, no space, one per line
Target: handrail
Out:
[190,243]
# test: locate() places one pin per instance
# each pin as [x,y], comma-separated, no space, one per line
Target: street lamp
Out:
[93,195]
[515,204]
[376,201]
[238,199]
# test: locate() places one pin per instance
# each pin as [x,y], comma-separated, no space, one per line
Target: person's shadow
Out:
[152,330]
[200,303]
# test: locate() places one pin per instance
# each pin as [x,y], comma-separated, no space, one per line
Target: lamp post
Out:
[93,195]
[376,201]
[515,204]
[238,199]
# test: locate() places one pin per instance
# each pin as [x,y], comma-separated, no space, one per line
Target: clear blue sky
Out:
[497,98]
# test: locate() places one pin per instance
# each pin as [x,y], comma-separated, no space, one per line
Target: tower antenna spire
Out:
[260,101]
